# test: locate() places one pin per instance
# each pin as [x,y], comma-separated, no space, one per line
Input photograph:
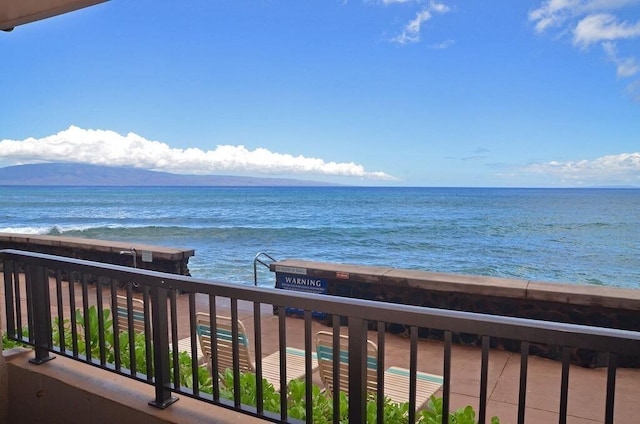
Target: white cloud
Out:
[633,90]
[551,13]
[627,66]
[611,169]
[100,147]
[438,7]
[595,22]
[411,31]
[603,27]
[443,45]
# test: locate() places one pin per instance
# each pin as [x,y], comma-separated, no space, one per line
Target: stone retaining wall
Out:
[577,304]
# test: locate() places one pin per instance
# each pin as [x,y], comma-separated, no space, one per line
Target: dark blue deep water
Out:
[580,236]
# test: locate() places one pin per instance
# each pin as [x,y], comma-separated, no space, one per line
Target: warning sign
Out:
[299,283]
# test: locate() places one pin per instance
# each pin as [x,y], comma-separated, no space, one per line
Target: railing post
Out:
[358,370]
[38,284]
[160,325]
[7,268]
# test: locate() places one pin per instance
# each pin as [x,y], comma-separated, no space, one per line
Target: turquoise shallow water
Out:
[582,236]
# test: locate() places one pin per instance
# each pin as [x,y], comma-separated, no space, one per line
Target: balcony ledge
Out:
[64,390]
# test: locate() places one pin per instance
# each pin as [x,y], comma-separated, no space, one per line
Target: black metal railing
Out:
[59,306]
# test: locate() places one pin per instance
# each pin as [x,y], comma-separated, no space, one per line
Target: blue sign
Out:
[302,283]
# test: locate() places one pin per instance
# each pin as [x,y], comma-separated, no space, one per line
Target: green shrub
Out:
[433,414]
[10,343]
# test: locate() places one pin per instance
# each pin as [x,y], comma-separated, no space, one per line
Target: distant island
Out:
[74,174]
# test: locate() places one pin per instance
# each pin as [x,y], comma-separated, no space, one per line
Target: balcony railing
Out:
[59,306]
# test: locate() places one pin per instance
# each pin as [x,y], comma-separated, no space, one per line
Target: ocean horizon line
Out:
[327,186]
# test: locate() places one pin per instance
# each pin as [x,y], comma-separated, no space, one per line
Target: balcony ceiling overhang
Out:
[19,12]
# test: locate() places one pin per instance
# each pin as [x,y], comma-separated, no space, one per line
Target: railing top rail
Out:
[553,333]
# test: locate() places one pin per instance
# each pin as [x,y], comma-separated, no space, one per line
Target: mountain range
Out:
[74,174]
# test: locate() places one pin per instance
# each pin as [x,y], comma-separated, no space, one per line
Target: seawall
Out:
[576,304]
[156,258]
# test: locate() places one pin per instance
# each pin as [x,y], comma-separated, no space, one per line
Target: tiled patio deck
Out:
[587,387]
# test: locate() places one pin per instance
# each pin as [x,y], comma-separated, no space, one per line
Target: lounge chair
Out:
[396,379]
[137,305]
[295,365]
[295,358]
[184,345]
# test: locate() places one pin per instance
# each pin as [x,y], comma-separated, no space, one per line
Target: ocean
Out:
[577,236]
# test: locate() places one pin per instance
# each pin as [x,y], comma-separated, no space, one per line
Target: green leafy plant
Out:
[92,330]
[433,414]
[204,378]
[322,404]
[8,343]
[248,390]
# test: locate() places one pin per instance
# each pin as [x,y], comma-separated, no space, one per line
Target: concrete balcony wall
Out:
[69,392]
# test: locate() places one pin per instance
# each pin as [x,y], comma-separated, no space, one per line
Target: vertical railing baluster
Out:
[160,323]
[380,375]
[101,329]
[564,385]
[522,395]
[60,306]
[357,370]
[257,337]
[115,324]
[413,369]
[131,332]
[38,288]
[47,295]
[282,343]
[336,355]
[307,366]
[174,340]
[213,326]
[28,289]
[192,326]
[7,270]
[72,314]
[148,330]
[193,337]
[446,374]
[236,352]
[16,288]
[484,374]
[612,366]
[84,282]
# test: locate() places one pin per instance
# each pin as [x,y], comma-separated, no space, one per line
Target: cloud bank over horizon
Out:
[104,147]
[621,169]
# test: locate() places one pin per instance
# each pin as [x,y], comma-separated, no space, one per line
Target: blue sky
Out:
[408,93]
